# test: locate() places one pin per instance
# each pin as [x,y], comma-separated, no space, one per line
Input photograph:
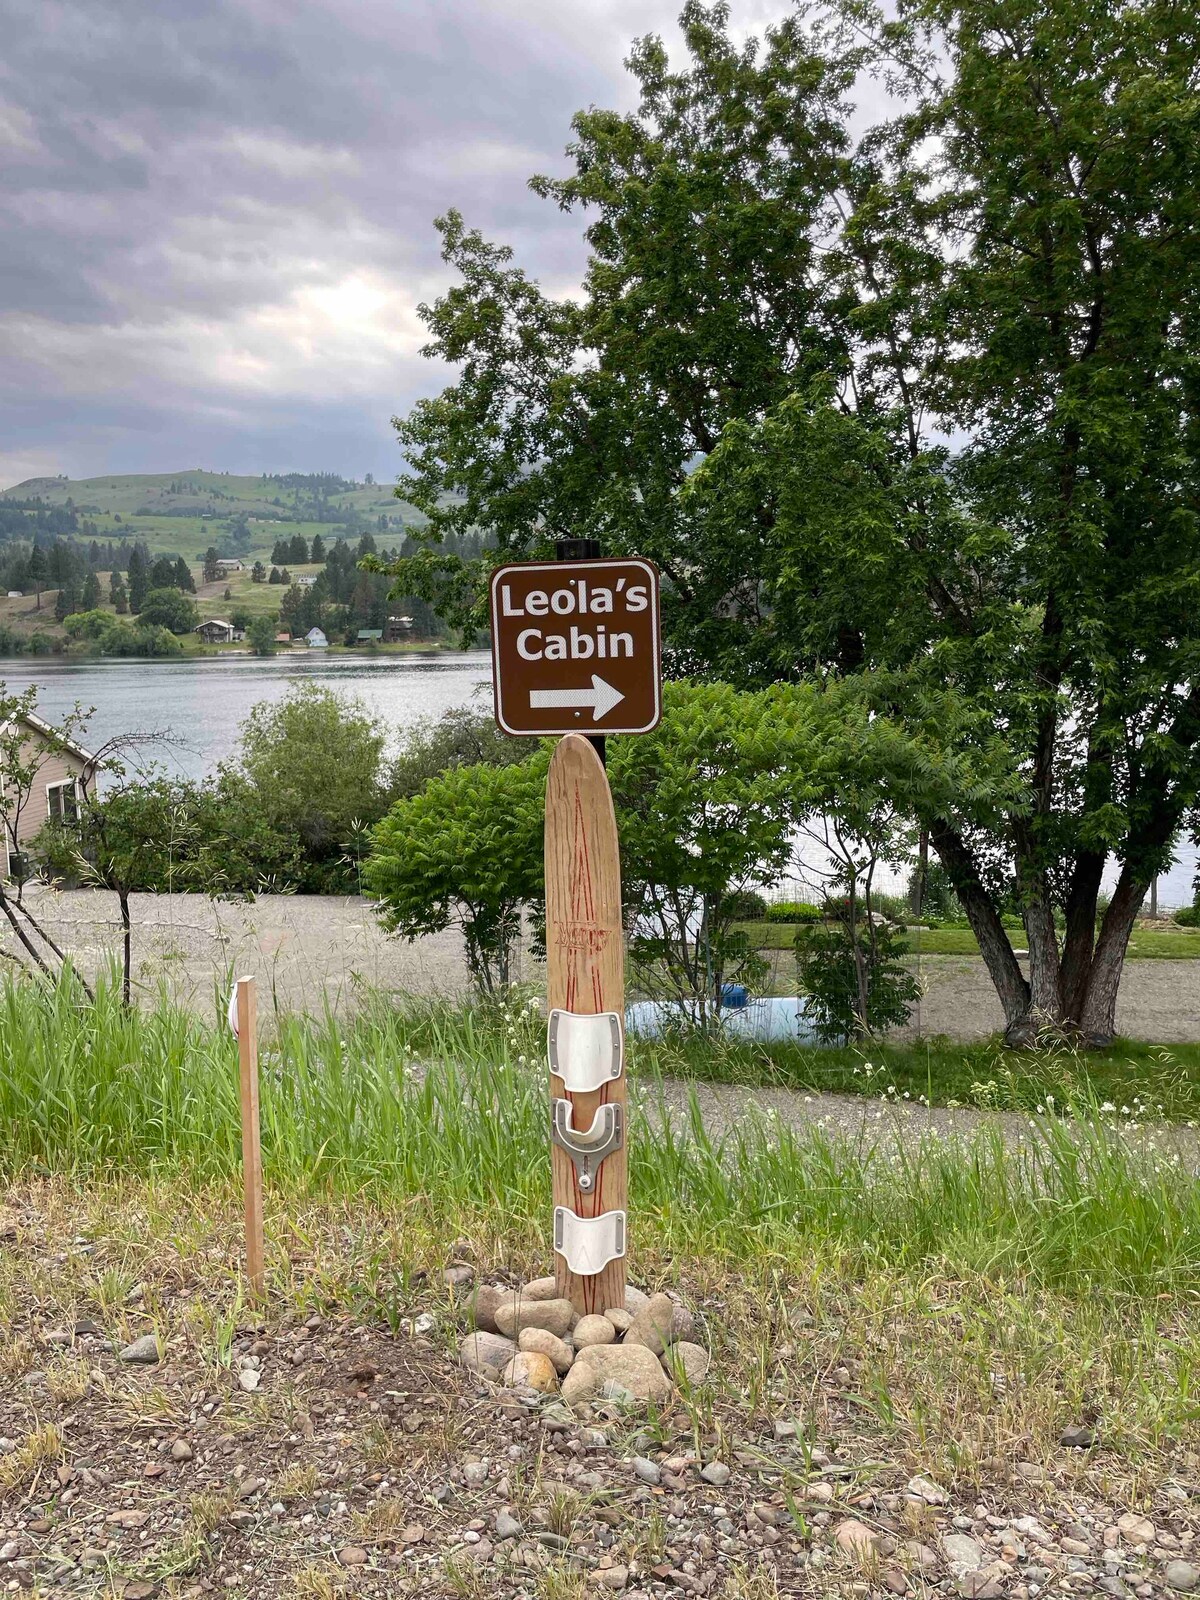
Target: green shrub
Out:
[854,981]
[893,906]
[168,608]
[744,906]
[802,911]
[935,898]
[1188,916]
[461,738]
[465,852]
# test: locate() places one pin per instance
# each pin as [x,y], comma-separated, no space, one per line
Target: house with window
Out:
[316,640]
[228,564]
[216,631]
[370,636]
[62,771]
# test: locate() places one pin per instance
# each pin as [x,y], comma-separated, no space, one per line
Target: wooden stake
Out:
[586,973]
[247,1038]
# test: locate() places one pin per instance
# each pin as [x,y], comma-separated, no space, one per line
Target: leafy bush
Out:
[87,624]
[793,911]
[1188,916]
[705,806]
[744,905]
[892,906]
[935,899]
[260,635]
[855,987]
[460,738]
[312,763]
[465,852]
[168,608]
[115,638]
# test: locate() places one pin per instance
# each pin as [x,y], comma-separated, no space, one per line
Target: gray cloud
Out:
[215,215]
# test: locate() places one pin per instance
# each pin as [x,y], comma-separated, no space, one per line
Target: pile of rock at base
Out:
[530,1338]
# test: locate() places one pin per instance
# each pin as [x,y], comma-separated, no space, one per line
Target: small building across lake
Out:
[216,631]
[316,640]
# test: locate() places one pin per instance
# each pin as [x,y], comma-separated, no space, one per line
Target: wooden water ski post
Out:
[576,652]
[243,1019]
[586,979]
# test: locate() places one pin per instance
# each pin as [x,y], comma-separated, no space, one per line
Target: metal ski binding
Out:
[588,1244]
[585,1051]
[588,1150]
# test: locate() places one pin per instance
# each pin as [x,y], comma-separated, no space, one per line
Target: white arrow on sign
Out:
[602,697]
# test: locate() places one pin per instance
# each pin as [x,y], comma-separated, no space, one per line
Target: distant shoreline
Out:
[209,652]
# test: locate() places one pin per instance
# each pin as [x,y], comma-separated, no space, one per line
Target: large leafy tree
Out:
[917,405]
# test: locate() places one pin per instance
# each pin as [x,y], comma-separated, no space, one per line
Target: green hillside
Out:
[182,513]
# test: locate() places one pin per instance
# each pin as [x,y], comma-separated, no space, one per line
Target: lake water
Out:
[202,704]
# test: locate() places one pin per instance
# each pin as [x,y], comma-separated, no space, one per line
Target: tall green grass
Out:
[446,1110]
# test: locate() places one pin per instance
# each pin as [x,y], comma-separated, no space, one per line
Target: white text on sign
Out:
[575,598]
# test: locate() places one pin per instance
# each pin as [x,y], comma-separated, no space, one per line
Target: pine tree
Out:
[118,595]
[90,598]
[37,571]
[318,548]
[67,602]
[183,579]
[137,579]
[211,569]
[258,573]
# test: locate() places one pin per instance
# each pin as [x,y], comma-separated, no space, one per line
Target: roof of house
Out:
[213,622]
[315,633]
[283,638]
[48,730]
[370,633]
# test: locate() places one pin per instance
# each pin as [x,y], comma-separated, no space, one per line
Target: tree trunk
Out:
[47,940]
[1098,1012]
[994,945]
[1080,938]
[1045,1010]
[7,906]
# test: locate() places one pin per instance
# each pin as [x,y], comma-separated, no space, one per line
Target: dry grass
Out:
[893,1370]
[38,1449]
[953,1375]
[318,1583]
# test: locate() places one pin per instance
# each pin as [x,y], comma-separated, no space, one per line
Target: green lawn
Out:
[1158,944]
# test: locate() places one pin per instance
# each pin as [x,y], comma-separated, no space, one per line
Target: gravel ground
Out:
[303,947]
[151,1449]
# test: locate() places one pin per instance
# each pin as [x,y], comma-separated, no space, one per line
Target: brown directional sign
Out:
[575,646]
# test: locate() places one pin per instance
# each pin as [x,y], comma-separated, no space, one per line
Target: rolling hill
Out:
[182,513]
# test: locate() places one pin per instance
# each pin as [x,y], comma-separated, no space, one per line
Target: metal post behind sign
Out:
[586,1030]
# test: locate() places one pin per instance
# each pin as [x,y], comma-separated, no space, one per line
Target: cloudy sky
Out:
[215,215]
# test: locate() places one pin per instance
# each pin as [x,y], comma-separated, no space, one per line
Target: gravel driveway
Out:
[305,948]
